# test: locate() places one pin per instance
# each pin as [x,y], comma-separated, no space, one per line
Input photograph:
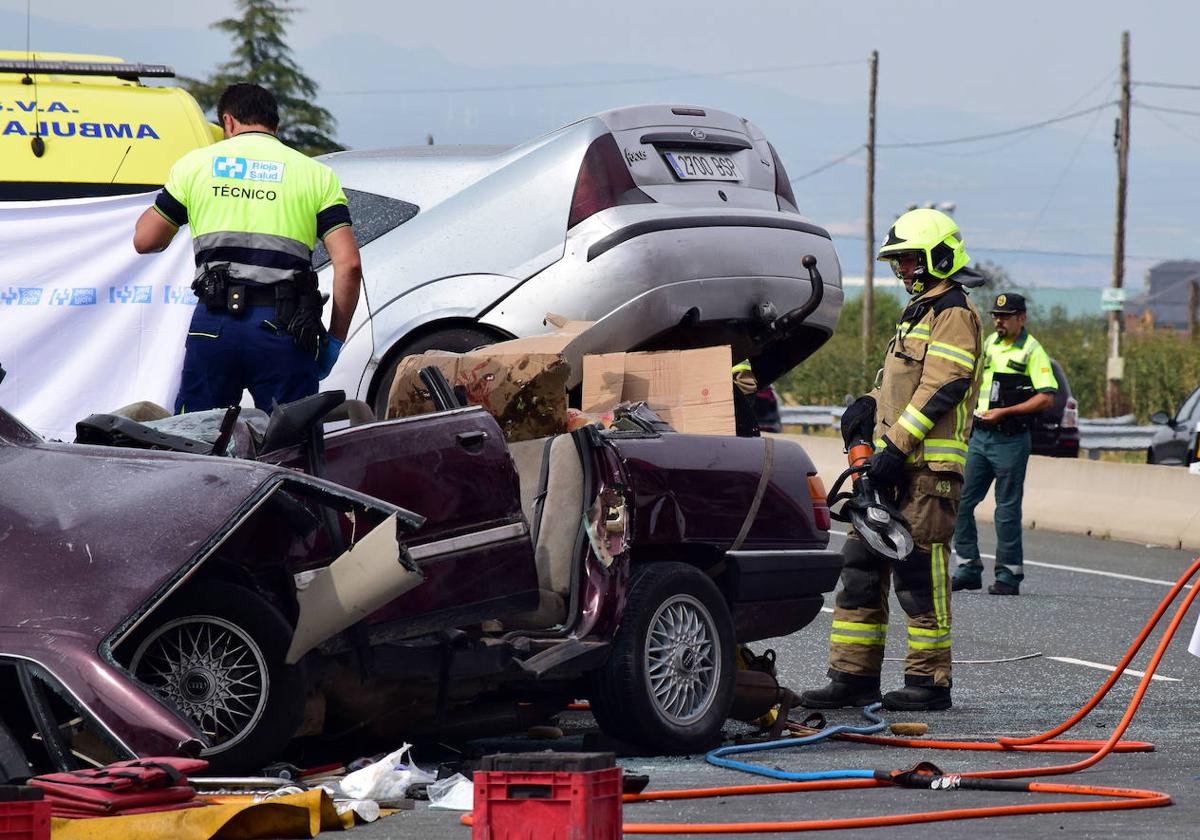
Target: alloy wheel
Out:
[682,666]
[212,670]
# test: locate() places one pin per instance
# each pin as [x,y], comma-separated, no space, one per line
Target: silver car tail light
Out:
[603,182]
[786,199]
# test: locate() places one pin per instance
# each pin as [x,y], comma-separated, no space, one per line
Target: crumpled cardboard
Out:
[690,389]
[522,383]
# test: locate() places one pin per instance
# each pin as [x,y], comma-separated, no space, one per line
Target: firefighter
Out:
[1018,383]
[919,418]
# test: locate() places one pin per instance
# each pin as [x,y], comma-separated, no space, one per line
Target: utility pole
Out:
[1115,362]
[868,299]
[1193,302]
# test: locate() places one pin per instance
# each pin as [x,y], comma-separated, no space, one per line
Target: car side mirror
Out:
[1161,418]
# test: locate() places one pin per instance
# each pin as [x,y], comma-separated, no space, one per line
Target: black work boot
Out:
[1006,584]
[840,694]
[917,698]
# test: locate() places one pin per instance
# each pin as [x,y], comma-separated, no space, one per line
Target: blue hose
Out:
[717,756]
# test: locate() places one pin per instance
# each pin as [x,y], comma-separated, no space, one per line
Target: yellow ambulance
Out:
[84,125]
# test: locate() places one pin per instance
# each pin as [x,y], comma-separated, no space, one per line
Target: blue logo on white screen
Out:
[247,169]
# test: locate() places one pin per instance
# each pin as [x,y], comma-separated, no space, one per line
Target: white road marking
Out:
[1079,569]
[1099,666]
[1068,659]
[827,609]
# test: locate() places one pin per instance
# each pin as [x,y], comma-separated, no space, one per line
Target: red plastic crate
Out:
[25,820]
[548,805]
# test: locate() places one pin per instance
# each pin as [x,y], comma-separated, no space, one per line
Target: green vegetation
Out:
[261,56]
[1161,368]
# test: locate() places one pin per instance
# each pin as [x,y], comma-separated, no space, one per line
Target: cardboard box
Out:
[690,389]
[522,383]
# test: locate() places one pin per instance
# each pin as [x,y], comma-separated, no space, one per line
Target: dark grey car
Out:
[1173,442]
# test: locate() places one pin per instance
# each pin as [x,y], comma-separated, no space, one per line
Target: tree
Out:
[261,56]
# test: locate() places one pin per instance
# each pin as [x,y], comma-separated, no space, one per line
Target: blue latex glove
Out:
[331,348]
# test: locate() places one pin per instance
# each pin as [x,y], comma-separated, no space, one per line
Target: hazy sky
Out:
[947,69]
[1013,59]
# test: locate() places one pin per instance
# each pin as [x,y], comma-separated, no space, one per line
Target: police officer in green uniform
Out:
[256,209]
[1018,383]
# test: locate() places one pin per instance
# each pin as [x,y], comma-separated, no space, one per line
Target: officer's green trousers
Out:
[994,456]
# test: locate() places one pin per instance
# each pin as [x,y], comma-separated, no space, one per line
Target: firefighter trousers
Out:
[922,582]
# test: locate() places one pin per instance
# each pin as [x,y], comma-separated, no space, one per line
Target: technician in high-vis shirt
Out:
[1018,383]
[256,208]
[918,418]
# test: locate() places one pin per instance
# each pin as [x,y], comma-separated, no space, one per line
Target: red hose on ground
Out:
[1118,798]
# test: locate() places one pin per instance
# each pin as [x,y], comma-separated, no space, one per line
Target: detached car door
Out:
[453,468]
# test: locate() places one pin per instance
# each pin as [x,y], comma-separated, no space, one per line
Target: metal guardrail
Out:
[1094,433]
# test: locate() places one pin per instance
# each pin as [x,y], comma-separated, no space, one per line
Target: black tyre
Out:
[668,682]
[455,339]
[218,654]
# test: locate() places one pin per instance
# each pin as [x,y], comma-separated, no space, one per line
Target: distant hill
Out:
[1050,190]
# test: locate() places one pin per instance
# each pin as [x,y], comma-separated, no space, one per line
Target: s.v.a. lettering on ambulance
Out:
[67,126]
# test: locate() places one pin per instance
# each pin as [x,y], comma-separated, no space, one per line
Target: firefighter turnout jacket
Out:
[930,380]
[255,204]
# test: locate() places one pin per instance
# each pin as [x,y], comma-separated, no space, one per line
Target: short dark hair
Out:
[250,105]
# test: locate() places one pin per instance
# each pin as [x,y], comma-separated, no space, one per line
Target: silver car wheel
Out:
[682,666]
[212,670]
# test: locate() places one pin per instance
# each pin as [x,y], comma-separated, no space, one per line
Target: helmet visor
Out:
[907,264]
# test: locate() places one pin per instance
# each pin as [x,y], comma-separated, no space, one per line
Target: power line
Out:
[1186,113]
[993,134]
[1018,139]
[1174,127]
[828,165]
[1171,85]
[596,83]
[1059,181]
[1036,251]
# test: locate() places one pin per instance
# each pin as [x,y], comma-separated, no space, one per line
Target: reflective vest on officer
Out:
[1012,373]
[930,380]
[255,204]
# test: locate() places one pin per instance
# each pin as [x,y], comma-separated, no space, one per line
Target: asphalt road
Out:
[1082,602]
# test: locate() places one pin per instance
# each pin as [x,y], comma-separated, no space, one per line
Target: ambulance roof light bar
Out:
[121,70]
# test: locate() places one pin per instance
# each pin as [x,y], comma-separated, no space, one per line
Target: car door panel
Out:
[453,468]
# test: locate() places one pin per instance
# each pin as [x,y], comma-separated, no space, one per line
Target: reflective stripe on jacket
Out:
[1025,356]
[931,379]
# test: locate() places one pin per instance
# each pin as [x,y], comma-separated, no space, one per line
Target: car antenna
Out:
[37,144]
[122,163]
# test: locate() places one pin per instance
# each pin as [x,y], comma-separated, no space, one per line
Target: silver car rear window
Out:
[372,216]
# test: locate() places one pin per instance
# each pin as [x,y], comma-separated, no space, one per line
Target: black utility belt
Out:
[1004,427]
[240,297]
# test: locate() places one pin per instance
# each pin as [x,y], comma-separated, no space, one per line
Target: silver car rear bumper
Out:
[685,280]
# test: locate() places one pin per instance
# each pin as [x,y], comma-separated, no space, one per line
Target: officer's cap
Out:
[1009,303]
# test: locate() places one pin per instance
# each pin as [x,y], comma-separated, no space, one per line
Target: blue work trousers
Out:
[994,456]
[226,354]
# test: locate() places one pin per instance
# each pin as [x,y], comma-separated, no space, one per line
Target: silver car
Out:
[674,226]
[1173,443]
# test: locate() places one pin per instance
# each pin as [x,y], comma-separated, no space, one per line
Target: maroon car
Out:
[161,601]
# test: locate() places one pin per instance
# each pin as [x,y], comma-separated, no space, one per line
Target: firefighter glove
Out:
[858,420]
[886,467]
